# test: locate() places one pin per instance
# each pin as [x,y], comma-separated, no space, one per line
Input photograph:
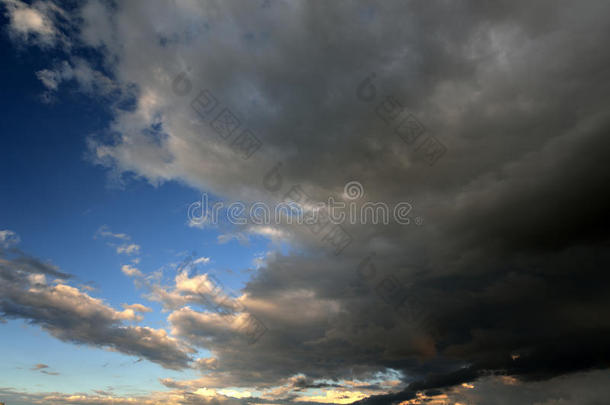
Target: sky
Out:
[439,170]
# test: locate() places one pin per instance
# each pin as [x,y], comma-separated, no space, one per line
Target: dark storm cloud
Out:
[510,266]
[439,381]
[301,383]
[515,258]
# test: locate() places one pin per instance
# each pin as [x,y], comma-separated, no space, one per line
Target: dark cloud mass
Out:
[507,277]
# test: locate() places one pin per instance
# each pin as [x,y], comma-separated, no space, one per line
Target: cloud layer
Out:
[507,275]
[73,316]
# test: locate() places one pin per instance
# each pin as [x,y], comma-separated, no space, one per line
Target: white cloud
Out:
[271,232]
[105,232]
[227,237]
[137,307]
[35,23]
[124,248]
[201,260]
[128,249]
[333,397]
[89,80]
[259,260]
[8,238]
[50,78]
[131,271]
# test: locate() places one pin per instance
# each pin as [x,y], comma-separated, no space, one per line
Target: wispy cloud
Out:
[42,368]
[128,249]
[8,238]
[124,248]
[39,366]
[105,232]
[201,260]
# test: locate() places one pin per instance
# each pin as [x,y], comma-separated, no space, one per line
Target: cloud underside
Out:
[507,276]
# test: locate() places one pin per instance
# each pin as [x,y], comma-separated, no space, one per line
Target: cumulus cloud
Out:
[131,271]
[71,315]
[137,307]
[37,23]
